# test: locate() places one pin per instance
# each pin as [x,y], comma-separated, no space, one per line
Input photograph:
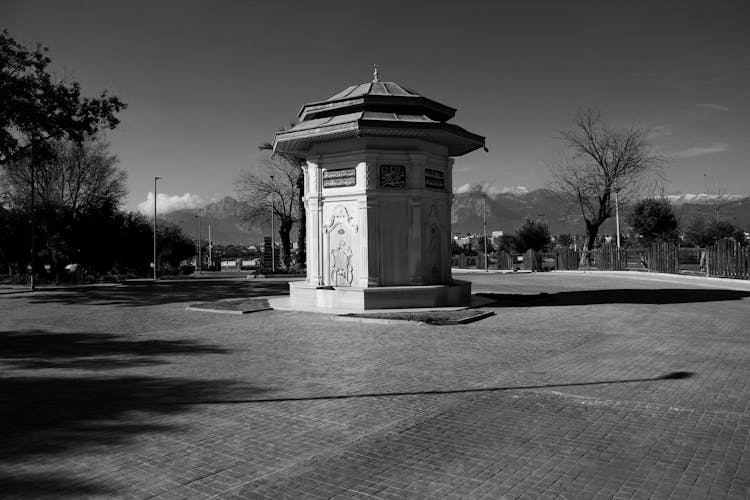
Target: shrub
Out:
[532,235]
[653,219]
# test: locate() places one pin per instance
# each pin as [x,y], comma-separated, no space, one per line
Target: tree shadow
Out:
[53,416]
[616,296]
[149,293]
[55,486]
[35,349]
[678,375]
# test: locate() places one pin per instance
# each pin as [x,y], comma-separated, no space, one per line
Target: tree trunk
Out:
[285,228]
[592,231]
[302,228]
[56,264]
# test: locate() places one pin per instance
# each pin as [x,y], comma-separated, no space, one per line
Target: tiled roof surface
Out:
[373,88]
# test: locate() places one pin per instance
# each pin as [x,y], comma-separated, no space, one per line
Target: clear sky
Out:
[206,82]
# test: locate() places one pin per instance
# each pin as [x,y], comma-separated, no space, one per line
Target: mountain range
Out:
[505,212]
[224,220]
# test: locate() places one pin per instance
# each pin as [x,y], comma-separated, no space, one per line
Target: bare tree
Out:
[74,185]
[73,176]
[301,210]
[598,161]
[716,190]
[258,188]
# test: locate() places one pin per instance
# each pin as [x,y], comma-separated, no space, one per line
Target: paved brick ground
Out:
[119,392]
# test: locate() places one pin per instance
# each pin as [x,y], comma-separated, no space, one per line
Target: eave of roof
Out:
[300,138]
[411,105]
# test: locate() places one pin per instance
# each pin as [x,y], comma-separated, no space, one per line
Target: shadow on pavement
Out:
[618,296]
[669,376]
[34,349]
[148,293]
[49,418]
[45,417]
[53,486]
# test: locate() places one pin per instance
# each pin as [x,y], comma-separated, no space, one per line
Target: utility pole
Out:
[200,256]
[484,224]
[155,179]
[617,217]
[32,216]
[210,256]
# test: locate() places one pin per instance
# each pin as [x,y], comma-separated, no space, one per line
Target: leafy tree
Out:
[275,179]
[565,240]
[653,219]
[125,246]
[532,235]
[14,240]
[508,243]
[36,108]
[598,161]
[129,251]
[129,248]
[704,231]
[174,246]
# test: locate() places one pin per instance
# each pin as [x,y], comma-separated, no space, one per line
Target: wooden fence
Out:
[506,261]
[727,259]
[663,257]
[610,258]
[532,260]
[566,259]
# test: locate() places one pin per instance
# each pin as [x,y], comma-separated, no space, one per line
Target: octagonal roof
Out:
[377,96]
[376,109]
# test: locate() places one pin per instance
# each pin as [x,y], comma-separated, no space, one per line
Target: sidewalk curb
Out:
[386,321]
[378,321]
[698,280]
[225,311]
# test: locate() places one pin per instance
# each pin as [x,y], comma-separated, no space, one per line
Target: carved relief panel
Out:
[340,243]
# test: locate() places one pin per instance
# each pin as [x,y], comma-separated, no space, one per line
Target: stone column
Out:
[314,206]
[416,167]
[446,274]
[372,236]
[415,241]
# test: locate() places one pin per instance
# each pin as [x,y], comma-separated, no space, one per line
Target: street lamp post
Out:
[273,256]
[617,216]
[155,179]
[484,224]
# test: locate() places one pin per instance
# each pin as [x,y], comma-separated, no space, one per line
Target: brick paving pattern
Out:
[120,393]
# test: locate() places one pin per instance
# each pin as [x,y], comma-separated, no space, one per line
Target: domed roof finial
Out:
[375,73]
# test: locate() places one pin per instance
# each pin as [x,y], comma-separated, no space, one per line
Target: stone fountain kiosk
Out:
[378,188]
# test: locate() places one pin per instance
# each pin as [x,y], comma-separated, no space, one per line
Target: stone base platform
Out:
[350,299]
